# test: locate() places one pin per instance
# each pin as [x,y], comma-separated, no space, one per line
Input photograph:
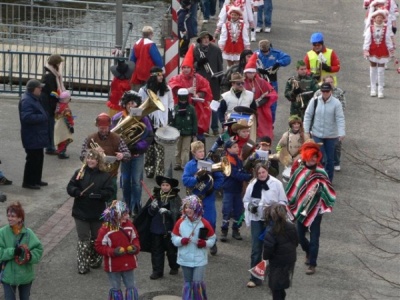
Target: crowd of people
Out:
[198,102]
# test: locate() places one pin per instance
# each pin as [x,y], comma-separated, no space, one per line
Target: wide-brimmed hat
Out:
[241,124]
[123,69]
[237,77]
[244,110]
[229,122]
[204,34]
[167,178]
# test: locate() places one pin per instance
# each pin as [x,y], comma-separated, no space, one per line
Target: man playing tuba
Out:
[132,170]
[107,144]
[310,195]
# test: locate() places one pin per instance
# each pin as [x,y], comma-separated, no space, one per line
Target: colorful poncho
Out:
[302,184]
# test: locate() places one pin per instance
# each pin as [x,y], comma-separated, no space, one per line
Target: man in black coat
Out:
[34,134]
[208,61]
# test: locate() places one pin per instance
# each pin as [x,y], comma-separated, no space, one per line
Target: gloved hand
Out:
[394,30]
[201,243]
[185,241]
[17,251]
[163,210]
[297,91]
[94,196]
[326,68]
[131,249]
[262,71]
[154,204]
[77,193]
[119,251]
[202,61]
[275,66]
[252,208]
[71,130]
[201,175]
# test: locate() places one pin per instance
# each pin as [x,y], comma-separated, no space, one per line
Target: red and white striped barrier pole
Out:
[171,45]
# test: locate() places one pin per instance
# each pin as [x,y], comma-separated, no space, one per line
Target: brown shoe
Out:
[310,270]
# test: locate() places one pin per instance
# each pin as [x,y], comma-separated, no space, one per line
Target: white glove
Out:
[163,210]
[321,58]
[154,204]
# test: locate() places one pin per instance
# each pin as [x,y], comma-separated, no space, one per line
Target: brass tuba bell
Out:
[223,166]
[130,128]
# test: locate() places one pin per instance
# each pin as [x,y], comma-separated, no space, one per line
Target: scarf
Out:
[258,187]
[59,79]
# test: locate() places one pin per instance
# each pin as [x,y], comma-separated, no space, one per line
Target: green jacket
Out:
[15,274]
[187,124]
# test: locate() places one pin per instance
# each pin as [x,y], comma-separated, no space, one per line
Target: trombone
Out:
[208,69]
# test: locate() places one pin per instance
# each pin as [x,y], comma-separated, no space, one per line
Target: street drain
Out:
[309,21]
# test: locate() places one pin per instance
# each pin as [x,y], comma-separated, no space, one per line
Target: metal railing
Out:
[84,75]
[69,26]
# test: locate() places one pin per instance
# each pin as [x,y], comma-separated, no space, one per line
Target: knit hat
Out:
[65,97]
[300,63]
[167,178]
[251,65]
[103,119]
[33,84]
[112,214]
[235,9]
[188,60]
[264,45]
[130,96]
[295,119]
[183,92]
[317,37]
[54,59]
[241,124]
[194,203]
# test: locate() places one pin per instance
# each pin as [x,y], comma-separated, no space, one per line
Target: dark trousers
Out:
[50,147]
[33,166]
[159,245]
[310,247]
[278,294]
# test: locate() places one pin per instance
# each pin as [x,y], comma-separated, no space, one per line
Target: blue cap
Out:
[317,37]
[229,143]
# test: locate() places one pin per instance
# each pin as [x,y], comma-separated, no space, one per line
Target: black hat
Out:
[204,34]
[33,84]
[326,87]
[167,178]
[265,140]
[244,110]
[229,122]
[123,69]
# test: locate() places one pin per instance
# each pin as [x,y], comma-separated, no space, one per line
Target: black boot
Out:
[236,234]
[224,235]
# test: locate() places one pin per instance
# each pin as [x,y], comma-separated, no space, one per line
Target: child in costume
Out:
[292,139]
[232,204]
[164,207]
[64,127]
[228,133]
[234,37]
[118,242]
[193,234]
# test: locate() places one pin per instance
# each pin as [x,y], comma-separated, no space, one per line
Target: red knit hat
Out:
[103,119]
[309,149]
[188,61]
[251,65]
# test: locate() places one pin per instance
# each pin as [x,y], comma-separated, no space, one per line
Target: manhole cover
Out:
[167,297]
[308,21]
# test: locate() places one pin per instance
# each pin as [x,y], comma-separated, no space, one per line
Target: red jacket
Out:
[106,242]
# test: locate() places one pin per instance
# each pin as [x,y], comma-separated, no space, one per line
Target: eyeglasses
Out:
[317,44]
[239,83]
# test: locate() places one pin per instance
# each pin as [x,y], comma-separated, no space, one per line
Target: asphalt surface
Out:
[372,139]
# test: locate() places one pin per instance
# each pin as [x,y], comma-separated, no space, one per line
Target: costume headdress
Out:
[168,178]
[112,214]
[188,61]
[309,149]
[194,203]
[251,65]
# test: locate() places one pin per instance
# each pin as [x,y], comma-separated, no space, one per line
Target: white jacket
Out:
[246,98]
[276,193]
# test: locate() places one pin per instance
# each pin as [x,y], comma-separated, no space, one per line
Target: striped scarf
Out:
[304,181]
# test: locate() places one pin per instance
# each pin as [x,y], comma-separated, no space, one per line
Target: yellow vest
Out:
[314,63]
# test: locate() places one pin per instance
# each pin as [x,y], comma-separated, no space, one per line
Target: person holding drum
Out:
[154,158]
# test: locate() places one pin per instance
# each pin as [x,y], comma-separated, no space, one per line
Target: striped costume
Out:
[301,183]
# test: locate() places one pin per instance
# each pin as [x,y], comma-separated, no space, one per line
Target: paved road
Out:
[372,135]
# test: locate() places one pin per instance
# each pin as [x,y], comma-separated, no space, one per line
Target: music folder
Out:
[136,112]
[204,165]
[263,155]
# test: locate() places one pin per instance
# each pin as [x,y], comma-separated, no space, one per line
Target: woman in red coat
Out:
[118,242]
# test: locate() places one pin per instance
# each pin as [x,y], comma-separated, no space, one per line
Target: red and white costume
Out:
[234,39]
[245,7]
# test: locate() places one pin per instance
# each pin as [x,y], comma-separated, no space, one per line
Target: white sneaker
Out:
[337,168]
[373,94]
[267,29]
[205,21]
[253,36]
[258,29]
[380,96]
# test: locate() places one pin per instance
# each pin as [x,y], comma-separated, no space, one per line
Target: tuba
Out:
[130,128]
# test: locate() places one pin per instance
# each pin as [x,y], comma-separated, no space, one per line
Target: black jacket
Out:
[49,102]
[92,203]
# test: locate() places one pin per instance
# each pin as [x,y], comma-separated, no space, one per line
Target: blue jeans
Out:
[338,153]
[209,7]
[310,247]
[214,121]
[115,279]
[193,274]
[210,212]
[131,175]
[193,17]
[267,9]
[328,151]
[10,291]
[232,205]
[256,227]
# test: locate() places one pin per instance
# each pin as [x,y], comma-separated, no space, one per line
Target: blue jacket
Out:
[270,59]
[189,180]
[234,182]
[34,122]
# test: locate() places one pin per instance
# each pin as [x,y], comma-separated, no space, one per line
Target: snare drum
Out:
[167,135]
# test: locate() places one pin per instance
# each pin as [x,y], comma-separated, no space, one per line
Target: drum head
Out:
[167,135]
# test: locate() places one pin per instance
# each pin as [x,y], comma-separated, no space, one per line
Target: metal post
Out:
[118,24]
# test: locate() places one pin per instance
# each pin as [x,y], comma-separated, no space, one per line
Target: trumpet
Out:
[296,85]
[81,172]
[310,197]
